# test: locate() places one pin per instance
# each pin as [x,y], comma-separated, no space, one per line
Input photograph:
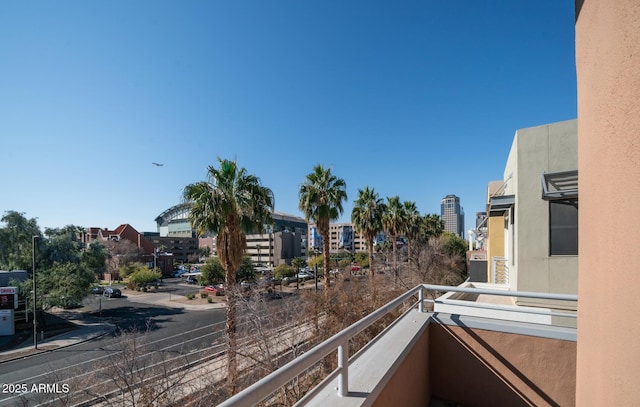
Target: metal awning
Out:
[559,185]
[500,204]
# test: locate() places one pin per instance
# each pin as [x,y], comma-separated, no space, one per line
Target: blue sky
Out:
[415,98]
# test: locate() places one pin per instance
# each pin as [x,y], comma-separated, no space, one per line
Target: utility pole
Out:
[35,320]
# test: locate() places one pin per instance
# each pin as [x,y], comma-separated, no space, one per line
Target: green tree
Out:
[297,262]
[143,276]
[204,251]
[316,261]
[367,218]
[212,272]
[284,270]
[321,197]
[62,245]
[246,272]
[363,259]
[394,222]
[94,258]
[63,284]
[16,241]
[230,203]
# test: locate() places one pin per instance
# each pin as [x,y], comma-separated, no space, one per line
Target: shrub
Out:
[191,296]
[144,276]
[284,270]
[204,295]
[209,300]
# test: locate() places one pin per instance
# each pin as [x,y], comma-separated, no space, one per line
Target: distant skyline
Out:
[418,99]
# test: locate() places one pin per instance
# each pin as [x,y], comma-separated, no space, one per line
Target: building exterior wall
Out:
[608,62]
[546,148]
[495,243]
[495,229]
[337,241]
[414,374]
[475,367]
[184,249]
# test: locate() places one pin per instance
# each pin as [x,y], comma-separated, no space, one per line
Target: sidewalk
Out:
[20,345]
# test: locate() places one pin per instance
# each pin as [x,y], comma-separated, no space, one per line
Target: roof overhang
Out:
[500,204]
[559,185]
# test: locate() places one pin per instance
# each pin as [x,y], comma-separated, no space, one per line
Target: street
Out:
[153,330]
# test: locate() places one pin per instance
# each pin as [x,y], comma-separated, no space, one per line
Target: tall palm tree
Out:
[412,225]
[230,203]
[433,224]
[394,221]
[321,197]
[366,216]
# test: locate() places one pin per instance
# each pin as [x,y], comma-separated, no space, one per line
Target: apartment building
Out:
[533,212]
[342,236]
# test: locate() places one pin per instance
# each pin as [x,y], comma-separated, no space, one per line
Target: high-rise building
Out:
[452,214]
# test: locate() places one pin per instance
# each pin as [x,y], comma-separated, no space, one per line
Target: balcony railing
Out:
[499,270]
[271,383]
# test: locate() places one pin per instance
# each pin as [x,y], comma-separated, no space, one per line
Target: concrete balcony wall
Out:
[409,385]
[477,367]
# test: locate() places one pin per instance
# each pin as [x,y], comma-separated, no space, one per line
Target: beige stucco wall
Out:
[608,69]
[495,244]
[547,148]
[409,385]
[475,367]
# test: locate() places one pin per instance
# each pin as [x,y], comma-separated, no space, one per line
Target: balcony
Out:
[485,354]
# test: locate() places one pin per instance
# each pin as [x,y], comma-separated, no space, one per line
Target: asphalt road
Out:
[150,329]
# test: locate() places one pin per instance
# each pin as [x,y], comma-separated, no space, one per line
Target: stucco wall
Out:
[539,149]
[486,368]
[409,385]
[496,241]
[608,69]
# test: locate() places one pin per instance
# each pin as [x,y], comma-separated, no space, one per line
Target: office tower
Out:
[452,214]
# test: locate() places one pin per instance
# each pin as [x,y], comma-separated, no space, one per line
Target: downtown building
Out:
[452,214]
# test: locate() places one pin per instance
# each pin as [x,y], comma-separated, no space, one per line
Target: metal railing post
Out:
[421,299]
[343,366]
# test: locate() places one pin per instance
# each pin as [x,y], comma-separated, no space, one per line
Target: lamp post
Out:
[35,321]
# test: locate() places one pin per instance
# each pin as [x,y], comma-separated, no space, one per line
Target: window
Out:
[563,227]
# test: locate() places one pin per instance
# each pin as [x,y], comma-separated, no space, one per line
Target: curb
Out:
[106,329]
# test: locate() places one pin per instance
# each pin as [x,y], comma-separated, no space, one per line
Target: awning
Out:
[559,185]
[499,204]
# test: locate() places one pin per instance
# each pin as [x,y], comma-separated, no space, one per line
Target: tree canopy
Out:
[321,196]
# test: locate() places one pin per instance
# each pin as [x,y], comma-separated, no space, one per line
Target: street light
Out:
[35,322]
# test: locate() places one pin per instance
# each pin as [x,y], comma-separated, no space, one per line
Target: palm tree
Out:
[321,197]
[413,224]
[231,203]
[366,216]
[394,223]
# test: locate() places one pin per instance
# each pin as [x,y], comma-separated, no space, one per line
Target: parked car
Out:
[179,273]
[97,289]
[306,275]
[191,280]
[248,285]
[216,289]
[270,282]
[112,292]
[288,280]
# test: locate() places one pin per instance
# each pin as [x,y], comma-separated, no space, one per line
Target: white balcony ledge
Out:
[371,369]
